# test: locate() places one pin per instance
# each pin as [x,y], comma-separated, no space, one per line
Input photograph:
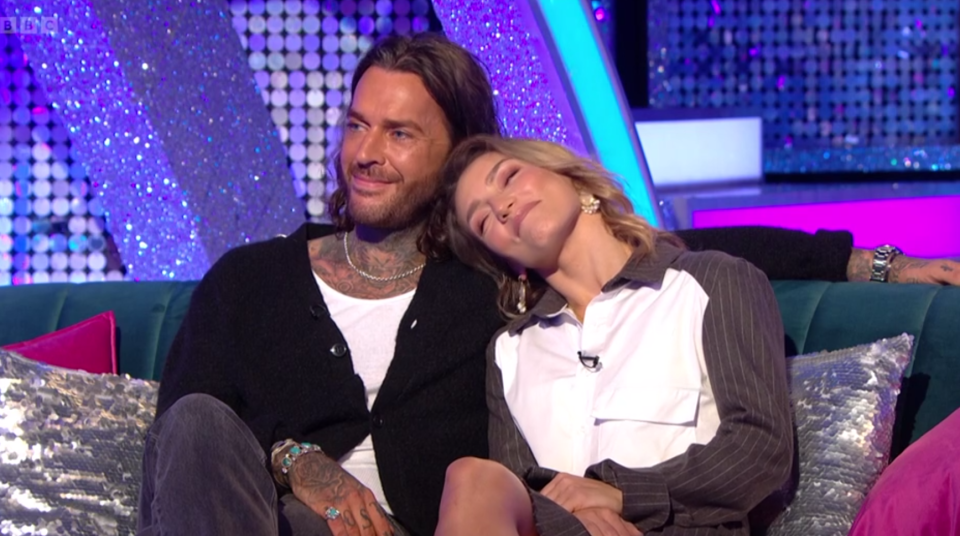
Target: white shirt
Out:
[651,397]
[372,351]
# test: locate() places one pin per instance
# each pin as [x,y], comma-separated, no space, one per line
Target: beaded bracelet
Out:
[296,450]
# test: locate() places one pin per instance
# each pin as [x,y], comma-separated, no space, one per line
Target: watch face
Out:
[888,250]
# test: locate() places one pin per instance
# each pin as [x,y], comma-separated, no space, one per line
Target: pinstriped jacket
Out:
[709,489]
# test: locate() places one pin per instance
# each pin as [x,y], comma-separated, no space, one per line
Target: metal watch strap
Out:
[882,257]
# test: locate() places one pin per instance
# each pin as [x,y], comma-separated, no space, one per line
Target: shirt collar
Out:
[646,269]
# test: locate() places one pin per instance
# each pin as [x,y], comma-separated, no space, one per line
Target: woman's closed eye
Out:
[483,223]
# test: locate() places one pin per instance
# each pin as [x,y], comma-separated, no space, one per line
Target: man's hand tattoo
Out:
[320,476]
[365,522]
[348,519]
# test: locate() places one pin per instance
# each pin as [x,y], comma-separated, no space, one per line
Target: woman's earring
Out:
[522,300]
[589,204]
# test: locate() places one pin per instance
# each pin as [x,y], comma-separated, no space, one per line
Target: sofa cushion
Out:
[148,315]
[71,447]
[919,493]
[89,345]
[843,404]
[820,316]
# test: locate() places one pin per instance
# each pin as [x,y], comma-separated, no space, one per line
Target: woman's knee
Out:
[476,487]
[469,472]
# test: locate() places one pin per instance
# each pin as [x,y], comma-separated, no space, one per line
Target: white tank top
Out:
[371,351]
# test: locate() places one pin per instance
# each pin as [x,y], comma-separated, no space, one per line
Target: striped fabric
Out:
[709,489]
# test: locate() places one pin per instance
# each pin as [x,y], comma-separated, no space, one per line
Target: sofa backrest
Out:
[830,316]
[148,315]
[816,315]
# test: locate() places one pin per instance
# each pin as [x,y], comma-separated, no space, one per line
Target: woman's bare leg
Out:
[483,498]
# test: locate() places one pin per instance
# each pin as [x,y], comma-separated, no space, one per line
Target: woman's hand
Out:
[575,493]
[604,522]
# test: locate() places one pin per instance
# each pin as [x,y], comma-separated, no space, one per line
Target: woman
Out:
[638,387]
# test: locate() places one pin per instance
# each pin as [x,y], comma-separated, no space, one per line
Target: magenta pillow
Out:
[89,345]
[919,493]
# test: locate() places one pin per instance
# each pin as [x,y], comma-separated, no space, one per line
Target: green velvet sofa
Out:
[816,315]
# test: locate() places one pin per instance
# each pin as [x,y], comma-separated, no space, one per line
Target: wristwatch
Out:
[882,257]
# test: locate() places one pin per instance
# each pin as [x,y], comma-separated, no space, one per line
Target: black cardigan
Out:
[258,337]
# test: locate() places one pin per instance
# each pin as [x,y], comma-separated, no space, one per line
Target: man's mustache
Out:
[374,173]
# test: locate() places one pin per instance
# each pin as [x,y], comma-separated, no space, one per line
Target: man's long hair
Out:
[455,79]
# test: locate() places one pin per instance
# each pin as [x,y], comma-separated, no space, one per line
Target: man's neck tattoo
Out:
[401,275]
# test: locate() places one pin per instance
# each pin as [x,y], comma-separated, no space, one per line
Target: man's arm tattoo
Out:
[859,265]
[902,264]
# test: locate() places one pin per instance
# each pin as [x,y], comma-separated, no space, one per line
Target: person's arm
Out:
[200,358]
[752,452]
[507,445]
[905,269]
[779,253]
[825,255]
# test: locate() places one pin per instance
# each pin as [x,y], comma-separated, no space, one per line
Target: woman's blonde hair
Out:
[588,178]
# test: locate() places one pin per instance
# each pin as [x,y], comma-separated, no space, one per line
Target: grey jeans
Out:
[204,474]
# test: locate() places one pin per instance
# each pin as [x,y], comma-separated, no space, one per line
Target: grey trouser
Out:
[204,474]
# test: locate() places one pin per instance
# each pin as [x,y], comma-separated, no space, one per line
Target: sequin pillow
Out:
[843,404]
[70,448]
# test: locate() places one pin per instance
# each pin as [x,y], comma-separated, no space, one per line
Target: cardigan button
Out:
[377,420]
[338,350]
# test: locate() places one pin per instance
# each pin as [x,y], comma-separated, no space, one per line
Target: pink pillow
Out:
[919,493]
[89,345]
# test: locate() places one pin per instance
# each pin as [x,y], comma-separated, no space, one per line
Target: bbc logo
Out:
[28,25]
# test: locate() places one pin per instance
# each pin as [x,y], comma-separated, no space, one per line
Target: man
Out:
[341,368]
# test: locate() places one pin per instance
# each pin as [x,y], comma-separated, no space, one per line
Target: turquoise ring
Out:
[331,513]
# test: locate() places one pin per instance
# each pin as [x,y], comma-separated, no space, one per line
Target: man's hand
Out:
[321,483]
[604,522]
[912,270]
[905,269]
[575,493]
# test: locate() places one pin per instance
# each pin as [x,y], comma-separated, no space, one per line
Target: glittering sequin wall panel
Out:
[51,226]
[303,54]
[825,74]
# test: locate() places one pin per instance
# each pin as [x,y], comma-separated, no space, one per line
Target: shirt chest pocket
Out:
[642,425]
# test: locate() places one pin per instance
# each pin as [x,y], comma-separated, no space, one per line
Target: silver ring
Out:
[331,513]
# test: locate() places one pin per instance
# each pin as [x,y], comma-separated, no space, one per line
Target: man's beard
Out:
[404,208]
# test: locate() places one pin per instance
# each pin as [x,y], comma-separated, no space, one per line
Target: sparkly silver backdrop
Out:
[303,54]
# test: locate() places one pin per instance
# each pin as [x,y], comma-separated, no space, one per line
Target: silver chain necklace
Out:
[408,273]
